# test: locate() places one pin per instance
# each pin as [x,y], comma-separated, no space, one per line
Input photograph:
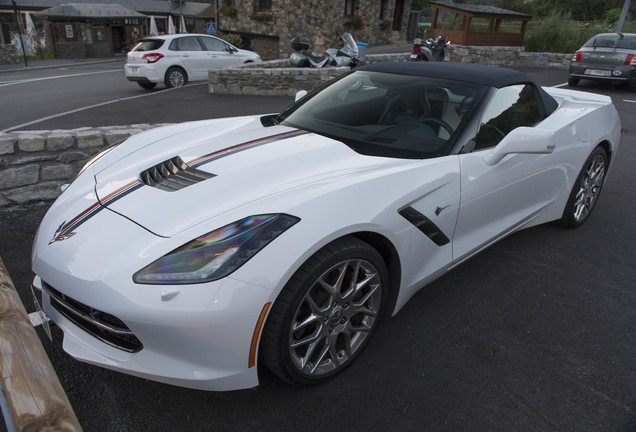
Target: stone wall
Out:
[277,78]
[34,164]
[507,56]
[70,50]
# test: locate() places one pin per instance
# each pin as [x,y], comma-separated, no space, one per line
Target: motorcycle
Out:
[430,49]
[346,55]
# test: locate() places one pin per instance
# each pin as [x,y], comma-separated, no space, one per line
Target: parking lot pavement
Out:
[56,63]
[535,333]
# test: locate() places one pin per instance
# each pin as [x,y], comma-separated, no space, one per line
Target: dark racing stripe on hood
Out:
[67,230]
[242,147]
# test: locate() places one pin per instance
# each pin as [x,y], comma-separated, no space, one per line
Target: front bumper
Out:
[197,336]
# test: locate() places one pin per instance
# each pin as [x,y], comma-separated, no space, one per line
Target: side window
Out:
[189,43]
[212,44]
[510,107]
[262,5]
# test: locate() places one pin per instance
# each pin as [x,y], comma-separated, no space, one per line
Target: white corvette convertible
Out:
[189,253]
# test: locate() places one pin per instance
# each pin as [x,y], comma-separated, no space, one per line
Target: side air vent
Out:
[425,225]
[173,175]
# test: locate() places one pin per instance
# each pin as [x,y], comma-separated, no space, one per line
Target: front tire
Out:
[586,190]
[326,314]
[146,85]
[175,77]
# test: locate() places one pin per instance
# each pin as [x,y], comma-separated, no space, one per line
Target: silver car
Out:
[177,59]
[606,57]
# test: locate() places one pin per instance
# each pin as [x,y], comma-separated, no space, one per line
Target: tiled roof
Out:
[478,9]
[148,7]
[90,10]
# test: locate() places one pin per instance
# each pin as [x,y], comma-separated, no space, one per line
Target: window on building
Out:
[350,7]
[262,5]
[383,7]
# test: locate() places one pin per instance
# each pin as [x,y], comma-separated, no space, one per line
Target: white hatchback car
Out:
[177,59]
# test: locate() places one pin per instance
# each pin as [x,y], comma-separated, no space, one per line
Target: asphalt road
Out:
[537,333]
[99,95]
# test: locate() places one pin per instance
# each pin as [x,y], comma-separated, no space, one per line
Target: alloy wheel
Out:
[335,317]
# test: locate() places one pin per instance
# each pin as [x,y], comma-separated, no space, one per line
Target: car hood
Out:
[213,167]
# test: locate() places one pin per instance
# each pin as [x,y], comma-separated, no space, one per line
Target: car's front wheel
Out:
[586,190]
[326,314]
[175,77]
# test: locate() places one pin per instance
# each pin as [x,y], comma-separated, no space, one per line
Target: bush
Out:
[234,39]
[261,17]
[228,11]
[559,33]
[355,22]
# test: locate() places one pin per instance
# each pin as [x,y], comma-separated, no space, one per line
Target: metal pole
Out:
[621,20]
[17,20]
[216,19]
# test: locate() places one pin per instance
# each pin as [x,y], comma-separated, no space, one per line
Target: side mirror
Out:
[523,140]
[300,94]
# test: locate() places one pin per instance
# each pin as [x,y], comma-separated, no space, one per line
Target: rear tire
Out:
[326,314]
[586,190]
[146,85]
[573,82]
[175,77]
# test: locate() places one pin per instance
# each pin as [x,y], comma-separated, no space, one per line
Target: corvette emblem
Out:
[60,234]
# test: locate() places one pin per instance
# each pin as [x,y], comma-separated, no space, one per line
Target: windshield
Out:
[626,41]
[349,44]
[390,115]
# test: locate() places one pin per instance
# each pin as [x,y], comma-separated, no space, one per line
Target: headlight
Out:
[216,254]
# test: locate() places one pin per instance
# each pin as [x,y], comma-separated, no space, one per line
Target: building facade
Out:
[268,25]
[86,29]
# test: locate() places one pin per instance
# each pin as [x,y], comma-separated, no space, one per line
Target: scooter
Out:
[430,49]
[347,55]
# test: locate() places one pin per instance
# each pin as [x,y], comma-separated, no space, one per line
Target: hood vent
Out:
[173,175]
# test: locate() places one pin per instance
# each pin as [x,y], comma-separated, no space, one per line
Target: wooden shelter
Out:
[489,17]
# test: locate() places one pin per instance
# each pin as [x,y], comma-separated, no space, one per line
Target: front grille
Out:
[105,327]
[172,175]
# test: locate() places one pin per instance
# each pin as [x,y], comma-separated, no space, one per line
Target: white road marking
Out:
[24,81]
[38,318]
[9,129]
[630,101]
[560,85]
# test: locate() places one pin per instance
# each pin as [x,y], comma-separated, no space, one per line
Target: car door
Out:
[192,56]
[497,199]
[219,53]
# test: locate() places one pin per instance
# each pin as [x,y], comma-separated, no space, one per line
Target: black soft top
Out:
[491,76]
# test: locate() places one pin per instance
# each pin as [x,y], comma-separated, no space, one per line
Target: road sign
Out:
[211,28]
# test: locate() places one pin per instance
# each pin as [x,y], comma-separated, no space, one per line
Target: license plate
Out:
[41,316]
[134,69]
[598,72]
[413,56]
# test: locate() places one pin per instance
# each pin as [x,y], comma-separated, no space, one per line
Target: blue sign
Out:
[543,56]
[211,28]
